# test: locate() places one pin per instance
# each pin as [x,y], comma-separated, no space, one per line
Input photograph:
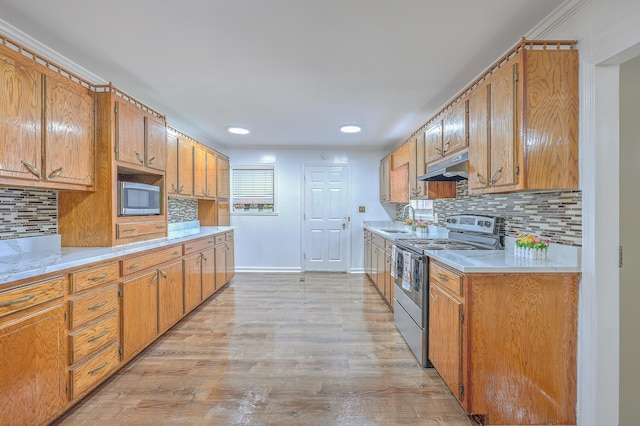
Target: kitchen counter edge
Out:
[33,264]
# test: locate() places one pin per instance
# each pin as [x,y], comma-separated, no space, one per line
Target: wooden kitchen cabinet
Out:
[379,249]
[447,134]
[399,175]
[225,259]
[199,271]
[185,167]
[420,190]
[199,171]
[141,138]
[525,137]
[212,176]
[171,176]
[433,142]
[223,215]
[139,312]
[170,295]
[491,341]
[33,353]
[48,130]
[385,179]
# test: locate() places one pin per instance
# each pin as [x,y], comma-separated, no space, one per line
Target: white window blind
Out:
[253,188]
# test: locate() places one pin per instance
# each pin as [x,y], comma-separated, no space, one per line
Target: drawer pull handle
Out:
[163,273]
[176,252]
[128,230]
[55,173]
[99,305]
[92,339]
[32,169]
[20,300]
[134,266]
[153,280]
[443,277]
[98,368]
[98,277]
[159,227]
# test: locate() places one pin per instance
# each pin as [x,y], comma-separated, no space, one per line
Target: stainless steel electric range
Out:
[411,273]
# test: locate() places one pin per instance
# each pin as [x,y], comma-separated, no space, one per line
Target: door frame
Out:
[303,168]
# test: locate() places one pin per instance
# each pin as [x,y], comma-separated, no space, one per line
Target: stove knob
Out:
[487,224]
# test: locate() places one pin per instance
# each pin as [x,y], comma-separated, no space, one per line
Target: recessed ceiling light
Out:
[238,130]
[350,128]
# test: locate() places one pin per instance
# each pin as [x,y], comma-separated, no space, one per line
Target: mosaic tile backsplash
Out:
[28,213]
[556,215]
[182,210]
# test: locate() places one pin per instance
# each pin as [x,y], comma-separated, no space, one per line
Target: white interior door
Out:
[326,224]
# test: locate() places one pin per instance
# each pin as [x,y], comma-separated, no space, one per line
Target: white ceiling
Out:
[292,71]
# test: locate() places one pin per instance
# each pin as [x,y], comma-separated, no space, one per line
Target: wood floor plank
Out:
[271,349]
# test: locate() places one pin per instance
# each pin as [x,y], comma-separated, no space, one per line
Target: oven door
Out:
[410,283]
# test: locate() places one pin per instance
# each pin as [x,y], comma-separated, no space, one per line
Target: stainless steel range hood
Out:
[451,169]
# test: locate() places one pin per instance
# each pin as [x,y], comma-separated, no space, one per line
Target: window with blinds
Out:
[253,189]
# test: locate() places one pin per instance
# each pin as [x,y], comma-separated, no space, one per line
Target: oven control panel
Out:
[482,224]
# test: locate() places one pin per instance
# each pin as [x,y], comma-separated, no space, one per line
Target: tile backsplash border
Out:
[556,215]
[28,213]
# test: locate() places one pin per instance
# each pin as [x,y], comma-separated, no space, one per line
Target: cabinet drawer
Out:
[88,340]
[199,245]
[445,278]
[229,236]
[84,309]
[388,245]
[377,240]
[145,261]
[128,230]
[30,295]
[90,372]
[93,277]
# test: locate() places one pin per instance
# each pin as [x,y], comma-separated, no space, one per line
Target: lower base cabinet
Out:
[505,344]
[33,378]
[170,295]
[139,312]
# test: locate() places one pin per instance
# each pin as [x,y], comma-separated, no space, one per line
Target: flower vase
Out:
[408,228]
[421,231]
[531,253]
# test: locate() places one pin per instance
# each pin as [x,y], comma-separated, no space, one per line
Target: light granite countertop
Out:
[560,259]
[29,257]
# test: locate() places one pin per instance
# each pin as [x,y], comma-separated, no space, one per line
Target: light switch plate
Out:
[361,209]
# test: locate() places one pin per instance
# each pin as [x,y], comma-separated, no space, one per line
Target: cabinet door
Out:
[69,141]
[221,265]
[172,164]
[199,171]
[388,283]
[385,176]
[33,357]
[208,272]
[139,312]
[223,207]
[185,167]
[211,175]
[433,142]
[504,137]
[156,143]
[20,120]
[230,269]
[130,132]
[454,128]
[445,338]
[380,264]
[479,137]
[170,294]
[192,281]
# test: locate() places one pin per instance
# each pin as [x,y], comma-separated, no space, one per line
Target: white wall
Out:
[606,30]
[273,243]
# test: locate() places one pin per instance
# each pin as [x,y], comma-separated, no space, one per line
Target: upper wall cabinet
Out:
[523,120]
[448,134]
[47,123]
[141,138]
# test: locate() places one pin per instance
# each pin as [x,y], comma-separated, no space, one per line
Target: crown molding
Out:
[46,52]
[556,18]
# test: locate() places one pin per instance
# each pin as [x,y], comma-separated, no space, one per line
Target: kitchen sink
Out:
[394,231]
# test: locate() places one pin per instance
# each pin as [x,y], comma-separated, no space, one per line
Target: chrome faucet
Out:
[413,215]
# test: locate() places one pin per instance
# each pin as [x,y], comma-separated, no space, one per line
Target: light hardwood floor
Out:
[272,349]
